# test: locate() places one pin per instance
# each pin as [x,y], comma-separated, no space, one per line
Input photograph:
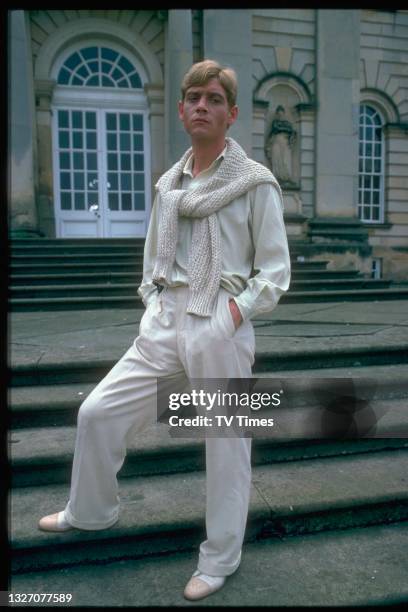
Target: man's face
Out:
[205,112]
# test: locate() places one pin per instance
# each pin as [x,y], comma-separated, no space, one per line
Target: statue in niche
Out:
[278,148]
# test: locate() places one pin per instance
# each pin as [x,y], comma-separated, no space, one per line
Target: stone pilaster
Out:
[338,92]
[23,218]
[179,58]
[227,38]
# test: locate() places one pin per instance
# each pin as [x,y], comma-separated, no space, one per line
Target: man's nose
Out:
[202,103]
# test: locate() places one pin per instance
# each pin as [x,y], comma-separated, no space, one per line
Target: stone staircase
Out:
[48,274]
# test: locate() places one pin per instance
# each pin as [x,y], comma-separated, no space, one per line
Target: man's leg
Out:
[121,404]
[215,350]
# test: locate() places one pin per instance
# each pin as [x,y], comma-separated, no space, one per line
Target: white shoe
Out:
[54,522]
[201,585]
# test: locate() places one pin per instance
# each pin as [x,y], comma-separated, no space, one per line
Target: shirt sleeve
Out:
[271,265]
[148,290]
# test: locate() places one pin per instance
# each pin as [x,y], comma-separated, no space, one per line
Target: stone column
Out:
[338,91]
[179,58]
[44,89]
[22,211]
[227,38]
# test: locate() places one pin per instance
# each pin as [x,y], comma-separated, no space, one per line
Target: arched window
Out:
[371,166]
[97,66]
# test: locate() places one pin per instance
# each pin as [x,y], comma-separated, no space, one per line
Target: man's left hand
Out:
[235,313]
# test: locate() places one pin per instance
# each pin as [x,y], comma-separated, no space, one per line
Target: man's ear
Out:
[233,114]
[181,109]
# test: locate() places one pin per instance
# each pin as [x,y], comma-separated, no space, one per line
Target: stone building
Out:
[323,102]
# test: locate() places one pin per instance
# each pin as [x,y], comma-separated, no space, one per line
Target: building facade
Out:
[323,99]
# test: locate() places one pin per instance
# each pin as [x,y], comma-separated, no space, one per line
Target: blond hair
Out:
[202,72]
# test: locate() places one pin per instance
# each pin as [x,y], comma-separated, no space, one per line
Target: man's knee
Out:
[92,408]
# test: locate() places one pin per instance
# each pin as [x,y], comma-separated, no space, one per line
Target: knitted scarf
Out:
[235,175]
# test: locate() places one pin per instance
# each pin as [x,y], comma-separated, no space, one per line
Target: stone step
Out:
[57,405]
[89,369]
[130,301]
[352,567]
[135,276]
[165,513]
[43,455]
[125,289]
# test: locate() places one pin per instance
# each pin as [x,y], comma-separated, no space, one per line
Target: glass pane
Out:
[92,180]
[367,215]
[90,119]
[368,165]
[79,201]
[107,82]
[376,214]
[377,165]
[109,54]
[139,201]
[360,165]
[138,142]
[135,81]
[83,72]
[126,201]
[65,200]
[65,180]
[367,197]
[369,133]
[123,83]
[125,142]
[111,121]
[377,150]
[113,201]
[91,161]
[91,140]
[79,180]
[94,67]
[125,181]
[125,162]
[376,197]
[77,119]
[64,161]
[112,161]
[138,180]
[93,81]
[78,161]
[89,53]
[138,123]
[112,142]
[64,76]
[117,74]
[368,150]
[63,119]
[124,122]
[126,65]
[113,180]
[376,182]
[63,140]
[138,161]
[76,80]
[106,67]
[73,61]
[78,140]
[367,182]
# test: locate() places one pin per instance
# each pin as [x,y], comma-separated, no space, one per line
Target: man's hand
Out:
[235,313]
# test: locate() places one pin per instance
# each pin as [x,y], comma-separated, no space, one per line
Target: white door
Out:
[100,171]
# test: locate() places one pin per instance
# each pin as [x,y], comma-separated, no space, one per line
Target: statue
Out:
[278,148]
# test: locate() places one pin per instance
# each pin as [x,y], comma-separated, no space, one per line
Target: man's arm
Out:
[148,289]
[271,255]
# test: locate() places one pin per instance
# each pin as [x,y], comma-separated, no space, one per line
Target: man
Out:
[217,246]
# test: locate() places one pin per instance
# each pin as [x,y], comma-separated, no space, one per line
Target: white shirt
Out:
[255,264]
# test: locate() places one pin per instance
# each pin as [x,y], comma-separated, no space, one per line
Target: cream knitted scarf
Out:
[235,175]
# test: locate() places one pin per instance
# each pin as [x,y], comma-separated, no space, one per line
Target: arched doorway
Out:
[101,144]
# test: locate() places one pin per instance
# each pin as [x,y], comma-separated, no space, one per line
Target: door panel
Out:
[100,172]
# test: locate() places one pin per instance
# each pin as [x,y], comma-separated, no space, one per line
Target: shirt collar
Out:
[188,168]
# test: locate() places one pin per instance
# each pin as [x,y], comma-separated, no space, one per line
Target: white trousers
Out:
[171,343]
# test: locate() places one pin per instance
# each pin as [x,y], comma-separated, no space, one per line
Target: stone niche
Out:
[278,97]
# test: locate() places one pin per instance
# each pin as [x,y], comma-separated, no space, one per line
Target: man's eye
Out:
[192,98]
